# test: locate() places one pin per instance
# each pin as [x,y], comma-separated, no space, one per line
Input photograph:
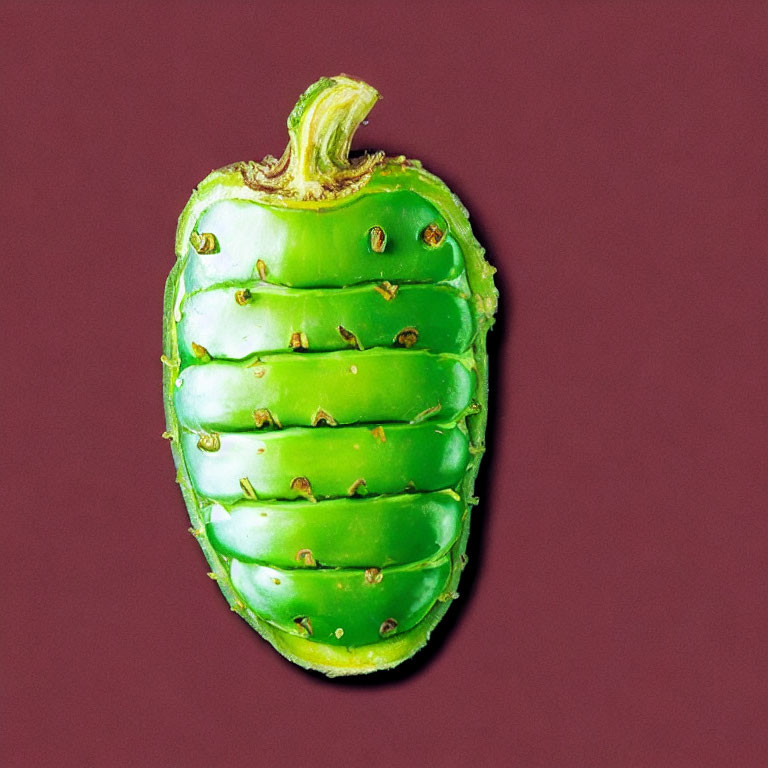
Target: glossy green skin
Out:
[342,599]
[409,518]
[349,392]
[266,323]
[387,530]
[421,457]
[325,248]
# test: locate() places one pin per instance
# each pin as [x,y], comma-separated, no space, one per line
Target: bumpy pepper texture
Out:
[325,384]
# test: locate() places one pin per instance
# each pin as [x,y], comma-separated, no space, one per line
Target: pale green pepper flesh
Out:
[378,531]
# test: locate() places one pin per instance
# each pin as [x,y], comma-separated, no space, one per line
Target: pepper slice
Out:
[329,319]
[421,457]
[316,604]
[347,387]
[378,531]
[332,249]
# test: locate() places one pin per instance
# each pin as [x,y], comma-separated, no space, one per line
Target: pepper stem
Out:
[316,162]
[321,127]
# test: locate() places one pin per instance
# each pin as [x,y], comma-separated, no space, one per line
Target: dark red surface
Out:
[614,159]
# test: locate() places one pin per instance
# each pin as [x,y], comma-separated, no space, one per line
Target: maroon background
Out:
[614,159]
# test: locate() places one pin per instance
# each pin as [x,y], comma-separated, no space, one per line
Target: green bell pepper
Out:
[325,387]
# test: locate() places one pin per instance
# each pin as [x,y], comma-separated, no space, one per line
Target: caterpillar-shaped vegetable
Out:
[325,386]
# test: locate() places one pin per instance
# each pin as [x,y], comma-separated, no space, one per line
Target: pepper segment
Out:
[422,457]
[325,387]
[324,319]
[347,388]
[331,250]
[377,531]
[328,600]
